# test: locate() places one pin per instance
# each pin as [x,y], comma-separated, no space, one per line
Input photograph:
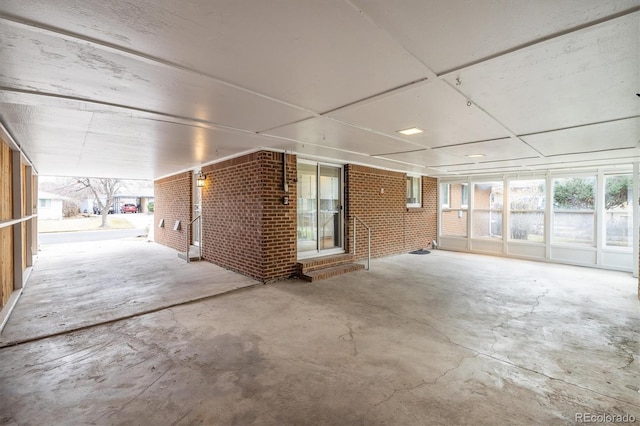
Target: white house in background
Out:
[50,205]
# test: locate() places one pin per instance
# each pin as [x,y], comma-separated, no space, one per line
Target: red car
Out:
[129,208]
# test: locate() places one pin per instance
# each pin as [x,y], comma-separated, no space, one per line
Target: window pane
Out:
[413,191]
[487,223]
[526,210]
[464,191]
[527,226]
[444,190]
[487,209]
[454,223]
[573,210]
[619,213]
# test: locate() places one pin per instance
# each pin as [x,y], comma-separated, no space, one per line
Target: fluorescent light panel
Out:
[410,131]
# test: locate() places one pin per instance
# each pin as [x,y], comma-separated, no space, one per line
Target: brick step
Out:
[331,271]
[313,264]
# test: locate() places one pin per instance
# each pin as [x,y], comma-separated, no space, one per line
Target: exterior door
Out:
[320,222]
[197,211]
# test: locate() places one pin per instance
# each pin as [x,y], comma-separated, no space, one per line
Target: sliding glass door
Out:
[320,224]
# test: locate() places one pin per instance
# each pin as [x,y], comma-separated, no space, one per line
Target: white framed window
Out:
[618,209]
[527,201]
[44,202]
[464,193]
[445,189]
[487,209]
[414,191]
[574,213]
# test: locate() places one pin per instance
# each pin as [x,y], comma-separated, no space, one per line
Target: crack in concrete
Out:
[511,318]
[478,352]
[351,339]
[453,368]
[395,391]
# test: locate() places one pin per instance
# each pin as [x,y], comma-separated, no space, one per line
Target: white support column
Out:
[506,228]
[636,217]
[28,184]
[548,216]
[600,231]
[470,203]
[17,184]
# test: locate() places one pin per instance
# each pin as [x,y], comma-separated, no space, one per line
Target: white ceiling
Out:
[141,89]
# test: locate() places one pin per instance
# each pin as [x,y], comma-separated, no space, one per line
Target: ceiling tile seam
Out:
[399,152]
[283,138]
[539,168]
[430,73]
[361,154]
[539,41]
[578,126]
[285,125]
[510,159]
[442,75]
[380,95]
[471,143]
[491,116]
[595,151]
[375,132]
[138,56]
[214,126]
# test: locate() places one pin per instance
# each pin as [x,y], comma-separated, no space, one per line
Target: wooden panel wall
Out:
[6,200]
[6,234]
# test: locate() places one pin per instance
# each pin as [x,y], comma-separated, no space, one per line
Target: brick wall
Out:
[394,227]
[246,227]
[173,201]
[455,222]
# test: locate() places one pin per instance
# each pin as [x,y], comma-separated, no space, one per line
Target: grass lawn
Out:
[81,223]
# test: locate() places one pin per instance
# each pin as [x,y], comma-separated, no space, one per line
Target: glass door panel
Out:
[307,207]
[330,229]
[197,211]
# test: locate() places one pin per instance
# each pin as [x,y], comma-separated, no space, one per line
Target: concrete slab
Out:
[446,338]
[78,285]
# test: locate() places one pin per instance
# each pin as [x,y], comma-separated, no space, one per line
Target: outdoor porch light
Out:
[200,179]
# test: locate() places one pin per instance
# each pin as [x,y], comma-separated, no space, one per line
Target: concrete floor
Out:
[445,338]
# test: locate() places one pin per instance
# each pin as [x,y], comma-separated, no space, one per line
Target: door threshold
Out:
[321,254]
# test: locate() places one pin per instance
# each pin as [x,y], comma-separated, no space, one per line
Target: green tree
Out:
[617,191]
[579,193]
[574,193]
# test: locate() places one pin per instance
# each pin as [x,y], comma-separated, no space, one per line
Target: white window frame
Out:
[409,181]
[446,196]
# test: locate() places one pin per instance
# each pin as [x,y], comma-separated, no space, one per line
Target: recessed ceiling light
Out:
[410,131]
[474,155]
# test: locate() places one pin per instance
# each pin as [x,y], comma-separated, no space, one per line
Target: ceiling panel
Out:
[597,137]
[495,150]
[450,34]
[318,54]
[433,158]
[330,133]
[42,63]
[143,89]
[568,162]
[434,107]
[583,77]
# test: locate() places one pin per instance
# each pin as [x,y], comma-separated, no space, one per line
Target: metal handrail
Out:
[189,240]
[368,239]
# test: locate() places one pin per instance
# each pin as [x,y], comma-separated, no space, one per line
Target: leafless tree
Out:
[103,191]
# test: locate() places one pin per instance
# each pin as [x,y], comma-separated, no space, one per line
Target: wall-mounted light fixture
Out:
[201,178]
